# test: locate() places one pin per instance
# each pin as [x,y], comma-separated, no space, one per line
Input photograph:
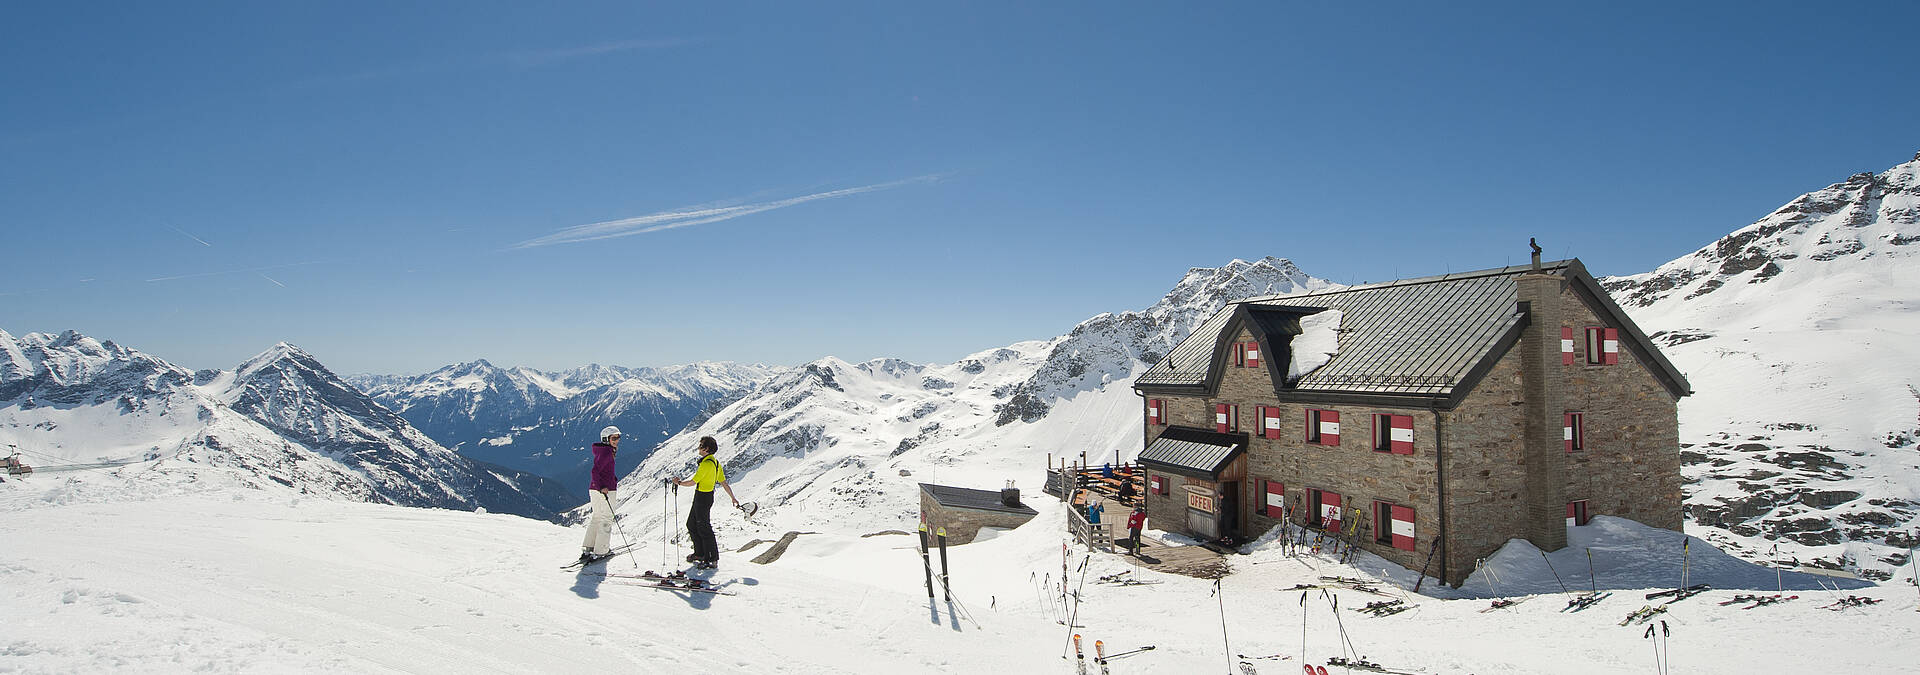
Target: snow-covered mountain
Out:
[280,422]
[1799,334]
[853,439]
[540,422]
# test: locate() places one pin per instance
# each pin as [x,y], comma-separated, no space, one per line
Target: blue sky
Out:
[398,186]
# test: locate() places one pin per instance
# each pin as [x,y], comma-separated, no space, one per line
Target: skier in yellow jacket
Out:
[706,550]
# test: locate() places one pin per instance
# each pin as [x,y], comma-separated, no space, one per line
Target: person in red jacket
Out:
[1135,523]
[600,496]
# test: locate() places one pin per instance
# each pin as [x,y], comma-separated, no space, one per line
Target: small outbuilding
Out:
[963,511]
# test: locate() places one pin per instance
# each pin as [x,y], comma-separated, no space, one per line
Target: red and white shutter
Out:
[1329,427]
[1610,346]
[1154,414]
[1330,510]
[1566,345]
[1220,417]
[1270,421]
[1566,430]
[1276,499]
[1157,485]
[1403,528]
[1401,434]
[1253,355]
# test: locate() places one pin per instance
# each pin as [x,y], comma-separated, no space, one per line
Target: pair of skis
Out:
[672,581]
[1644,614]
[1585,600]
[1385,607]
[611,553]
[1851,601]
[1504,603]
[1679,594]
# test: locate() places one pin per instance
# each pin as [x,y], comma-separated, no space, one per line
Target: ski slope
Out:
[246,581]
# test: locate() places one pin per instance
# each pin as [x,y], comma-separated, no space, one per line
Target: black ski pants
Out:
[700,527]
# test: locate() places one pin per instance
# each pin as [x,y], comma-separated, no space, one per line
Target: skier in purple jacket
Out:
[600,497]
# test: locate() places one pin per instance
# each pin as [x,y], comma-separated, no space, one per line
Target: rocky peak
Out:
[1867,217]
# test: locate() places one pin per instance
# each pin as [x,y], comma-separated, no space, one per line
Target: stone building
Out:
[1456,412]
[963,511]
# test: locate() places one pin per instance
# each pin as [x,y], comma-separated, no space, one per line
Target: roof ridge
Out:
[1553,266]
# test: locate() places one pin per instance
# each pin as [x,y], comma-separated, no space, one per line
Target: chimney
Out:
[1010,495]
[1542,383]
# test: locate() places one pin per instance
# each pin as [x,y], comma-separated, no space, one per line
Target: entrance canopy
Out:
[1196,453]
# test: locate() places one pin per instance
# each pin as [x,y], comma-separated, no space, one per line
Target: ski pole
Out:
[1303,626]
[1222,597]
[1556,573]
[1432,549]
[1595,582]
[1666,649]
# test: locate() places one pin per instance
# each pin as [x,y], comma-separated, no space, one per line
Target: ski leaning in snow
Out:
[617,550]
[1585,600]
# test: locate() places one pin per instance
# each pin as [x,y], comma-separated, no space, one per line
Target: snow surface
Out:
[244,581]
[1318,343]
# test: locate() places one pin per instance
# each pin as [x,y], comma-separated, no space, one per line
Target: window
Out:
[1575,432]
[1157,484]
[1577,513]
[1383,523]
[1275,502]
[1393,433]
[1240,354]
[1603,345]
[1156,411]
[1269,422]
[1393,525]
[1226,417]
[1323,427]
[1325,507]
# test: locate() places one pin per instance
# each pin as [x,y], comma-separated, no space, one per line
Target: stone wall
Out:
[1631,465]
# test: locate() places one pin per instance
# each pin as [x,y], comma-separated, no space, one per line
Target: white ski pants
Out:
[600,524]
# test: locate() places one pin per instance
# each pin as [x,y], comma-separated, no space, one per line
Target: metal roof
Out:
[969,498]
[1193,450]
[1428,337]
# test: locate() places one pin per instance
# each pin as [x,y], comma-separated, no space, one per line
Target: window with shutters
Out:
[1233,417]
[1603,346]
[1577,513]
[1324,508]
[1274,504]
[1574,432]
[1156,411]
[1240,354]
[1393,433]
[1323,427]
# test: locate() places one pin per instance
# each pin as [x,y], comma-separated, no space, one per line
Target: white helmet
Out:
[609,432]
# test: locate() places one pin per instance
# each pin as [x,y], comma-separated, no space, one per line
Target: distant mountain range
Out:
[279,422]
[1797,332]
[543,422]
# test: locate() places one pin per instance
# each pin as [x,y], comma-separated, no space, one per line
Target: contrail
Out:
[276,282]
[238,271]
[183,233]
[688,216]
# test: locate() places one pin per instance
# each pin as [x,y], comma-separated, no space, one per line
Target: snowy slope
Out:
[1799,334]
[853,440]
[538,421]
[244,581]
[281,422]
